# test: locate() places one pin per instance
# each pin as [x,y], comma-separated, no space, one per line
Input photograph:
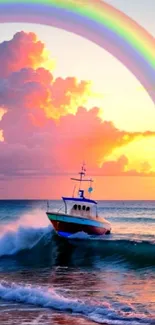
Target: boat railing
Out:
[52,208]
[62,209]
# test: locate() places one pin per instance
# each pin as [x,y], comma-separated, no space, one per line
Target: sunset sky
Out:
[64,100]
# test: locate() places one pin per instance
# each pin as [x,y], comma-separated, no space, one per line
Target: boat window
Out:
[79,207]
[83,208]
[88,209]
[75,207]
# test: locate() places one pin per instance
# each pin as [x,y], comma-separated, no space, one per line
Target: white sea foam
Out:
[24,233]
[48,298]
[79,235]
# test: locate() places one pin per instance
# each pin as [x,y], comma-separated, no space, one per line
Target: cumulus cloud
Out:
[44,125]
[31,149]
[120,168]
[86,136]
[31,89]
[22,51]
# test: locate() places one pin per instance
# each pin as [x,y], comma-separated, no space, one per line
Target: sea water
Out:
[83,280]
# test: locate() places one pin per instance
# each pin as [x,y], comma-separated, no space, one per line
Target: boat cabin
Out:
[84,208]
[80,206]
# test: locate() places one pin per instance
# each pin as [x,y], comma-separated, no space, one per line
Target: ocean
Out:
[83,280]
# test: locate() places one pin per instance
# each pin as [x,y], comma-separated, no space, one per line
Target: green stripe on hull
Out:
[76,220]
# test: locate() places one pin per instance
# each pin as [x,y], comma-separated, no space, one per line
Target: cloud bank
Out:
[45,128]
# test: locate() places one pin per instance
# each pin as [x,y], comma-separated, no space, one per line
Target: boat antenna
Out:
[80,180]
[74,190]
[47,205]
[82,173]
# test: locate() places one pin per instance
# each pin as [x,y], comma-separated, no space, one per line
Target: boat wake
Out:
[45,297]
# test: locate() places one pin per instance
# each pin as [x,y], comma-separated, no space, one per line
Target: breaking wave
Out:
[24,233]
[49,298]
[31,239]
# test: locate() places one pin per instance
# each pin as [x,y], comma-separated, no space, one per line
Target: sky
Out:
[67,100]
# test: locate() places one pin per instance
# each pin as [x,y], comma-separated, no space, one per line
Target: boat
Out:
[79,213]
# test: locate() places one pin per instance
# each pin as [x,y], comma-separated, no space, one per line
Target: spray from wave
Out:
[30,240]
[24,233]
[49,298]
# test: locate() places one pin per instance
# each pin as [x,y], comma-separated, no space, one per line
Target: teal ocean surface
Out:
[84,280]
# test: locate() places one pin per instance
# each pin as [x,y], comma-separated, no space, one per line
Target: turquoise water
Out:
[84,280]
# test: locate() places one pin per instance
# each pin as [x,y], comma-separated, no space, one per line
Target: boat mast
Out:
[82,173]
[80,180]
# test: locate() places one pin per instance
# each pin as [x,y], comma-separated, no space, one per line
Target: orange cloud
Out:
[1,136]
[25,82]
[33,89]
[2,112]
[92,139]
[36,144]
[59,148]
[120,168]
[23,51]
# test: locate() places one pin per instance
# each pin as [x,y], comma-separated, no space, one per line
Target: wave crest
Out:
[48,298]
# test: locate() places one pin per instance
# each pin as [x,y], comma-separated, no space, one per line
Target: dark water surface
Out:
[48,280]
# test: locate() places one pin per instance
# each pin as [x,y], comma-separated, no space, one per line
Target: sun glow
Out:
[140,154]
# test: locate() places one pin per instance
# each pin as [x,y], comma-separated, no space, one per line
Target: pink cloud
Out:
[37,144]
[59,147]
[120,168]
[23,51]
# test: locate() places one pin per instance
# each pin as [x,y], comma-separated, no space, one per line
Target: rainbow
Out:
[98,22]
